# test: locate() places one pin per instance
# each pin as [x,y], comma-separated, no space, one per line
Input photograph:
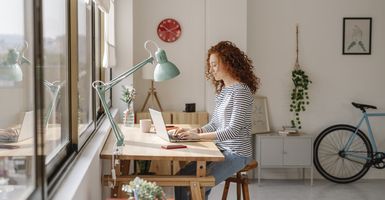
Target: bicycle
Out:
[343,153]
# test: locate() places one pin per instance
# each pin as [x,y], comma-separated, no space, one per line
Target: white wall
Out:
[225,20]
[124,46]
[269,29]
[187,53]
[212,22]
[337,79]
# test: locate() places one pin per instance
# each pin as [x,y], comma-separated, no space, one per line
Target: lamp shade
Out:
[165,69]
[10,69]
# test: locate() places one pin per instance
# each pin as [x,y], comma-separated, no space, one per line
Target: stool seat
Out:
[241,180]
[252,165]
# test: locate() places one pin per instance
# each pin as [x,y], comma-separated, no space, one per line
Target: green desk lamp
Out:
[10,69]
[164,70]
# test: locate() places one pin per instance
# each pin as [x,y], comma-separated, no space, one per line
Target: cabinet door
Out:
[271,151]
[297,151]
[200,118]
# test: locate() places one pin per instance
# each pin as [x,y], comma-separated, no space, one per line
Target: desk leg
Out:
[201,172]
[122,168]
[195,189]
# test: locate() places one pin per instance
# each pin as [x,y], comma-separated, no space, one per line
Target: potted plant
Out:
[128,95]
[140,189]
[299,94]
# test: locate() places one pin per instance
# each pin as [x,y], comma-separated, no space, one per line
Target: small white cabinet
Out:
[276,151]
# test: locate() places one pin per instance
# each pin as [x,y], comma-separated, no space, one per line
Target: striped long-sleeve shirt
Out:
[231,119]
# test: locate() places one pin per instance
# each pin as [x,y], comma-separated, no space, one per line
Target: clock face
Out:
[169,30]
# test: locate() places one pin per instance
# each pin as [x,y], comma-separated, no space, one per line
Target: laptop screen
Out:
[27,127]
[158,121]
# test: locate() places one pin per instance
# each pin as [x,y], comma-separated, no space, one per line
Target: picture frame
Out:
[357,36]
[260,115]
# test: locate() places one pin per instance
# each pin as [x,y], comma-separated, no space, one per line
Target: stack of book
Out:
[288,130]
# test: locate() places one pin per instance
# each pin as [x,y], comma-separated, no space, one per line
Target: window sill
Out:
[83,178]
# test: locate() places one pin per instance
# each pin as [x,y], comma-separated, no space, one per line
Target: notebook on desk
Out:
[161,129]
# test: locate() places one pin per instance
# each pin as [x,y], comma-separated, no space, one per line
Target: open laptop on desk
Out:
[27,127]
[161,130]
[26,131]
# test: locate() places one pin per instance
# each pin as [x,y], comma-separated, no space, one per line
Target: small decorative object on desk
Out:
[128,95]
[140,189]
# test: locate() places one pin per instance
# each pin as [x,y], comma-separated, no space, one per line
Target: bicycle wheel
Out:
[337,165]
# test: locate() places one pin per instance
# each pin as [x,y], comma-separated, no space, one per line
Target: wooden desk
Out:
[52,141]
[147,146]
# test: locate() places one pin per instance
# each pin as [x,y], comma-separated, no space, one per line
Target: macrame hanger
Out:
[296,65]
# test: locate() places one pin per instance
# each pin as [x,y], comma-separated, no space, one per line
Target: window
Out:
[55,77]
[103,74]
[85,71]
[17,117]
[45,87]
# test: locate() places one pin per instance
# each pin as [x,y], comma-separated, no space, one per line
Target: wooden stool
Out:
[240,180]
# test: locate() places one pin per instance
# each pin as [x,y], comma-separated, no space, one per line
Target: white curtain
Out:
[109,56]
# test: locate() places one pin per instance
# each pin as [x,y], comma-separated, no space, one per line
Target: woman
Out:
[231,72]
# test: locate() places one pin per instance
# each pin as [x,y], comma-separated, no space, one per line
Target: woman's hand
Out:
[188,135]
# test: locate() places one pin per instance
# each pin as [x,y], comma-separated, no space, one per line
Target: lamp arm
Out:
[101,89]
[124,75]
[54,89]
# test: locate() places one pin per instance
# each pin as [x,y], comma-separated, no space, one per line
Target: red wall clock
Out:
[169,30]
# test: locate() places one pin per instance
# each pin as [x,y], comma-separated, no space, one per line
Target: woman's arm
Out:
[240,115]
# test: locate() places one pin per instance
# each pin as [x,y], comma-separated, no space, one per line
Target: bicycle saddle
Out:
[362,107]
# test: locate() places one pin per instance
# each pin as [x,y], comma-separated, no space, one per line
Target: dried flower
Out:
[143,190]
[128,95]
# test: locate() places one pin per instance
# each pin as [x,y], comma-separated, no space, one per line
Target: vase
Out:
[128,117]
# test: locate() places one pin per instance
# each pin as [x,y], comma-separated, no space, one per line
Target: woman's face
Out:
[216,67]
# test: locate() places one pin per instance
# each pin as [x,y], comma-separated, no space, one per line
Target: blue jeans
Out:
[220,170]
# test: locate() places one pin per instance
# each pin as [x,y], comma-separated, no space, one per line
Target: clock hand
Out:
[165,28]
[173,28]
[169,30]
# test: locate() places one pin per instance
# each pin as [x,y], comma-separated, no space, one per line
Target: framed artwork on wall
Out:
[357,35]
[260,116]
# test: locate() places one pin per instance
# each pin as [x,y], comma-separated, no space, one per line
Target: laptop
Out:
[27,127]
[161,130]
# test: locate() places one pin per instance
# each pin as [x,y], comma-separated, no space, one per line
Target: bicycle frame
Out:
[365,117]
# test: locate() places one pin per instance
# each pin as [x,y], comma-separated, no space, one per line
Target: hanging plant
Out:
[299,94]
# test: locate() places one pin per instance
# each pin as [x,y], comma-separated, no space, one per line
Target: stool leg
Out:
[225,190]
[238,186]
[245,190]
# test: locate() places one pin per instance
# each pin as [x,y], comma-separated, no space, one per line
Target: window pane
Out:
[56,87]
[97,53]
[17,158]
[85,65]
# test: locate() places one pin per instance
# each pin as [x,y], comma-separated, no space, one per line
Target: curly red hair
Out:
[236,63]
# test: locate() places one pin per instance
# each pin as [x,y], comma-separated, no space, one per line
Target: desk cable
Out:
[116,150]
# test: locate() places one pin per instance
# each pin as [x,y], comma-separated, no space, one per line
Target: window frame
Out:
[82,137]
[48,174]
